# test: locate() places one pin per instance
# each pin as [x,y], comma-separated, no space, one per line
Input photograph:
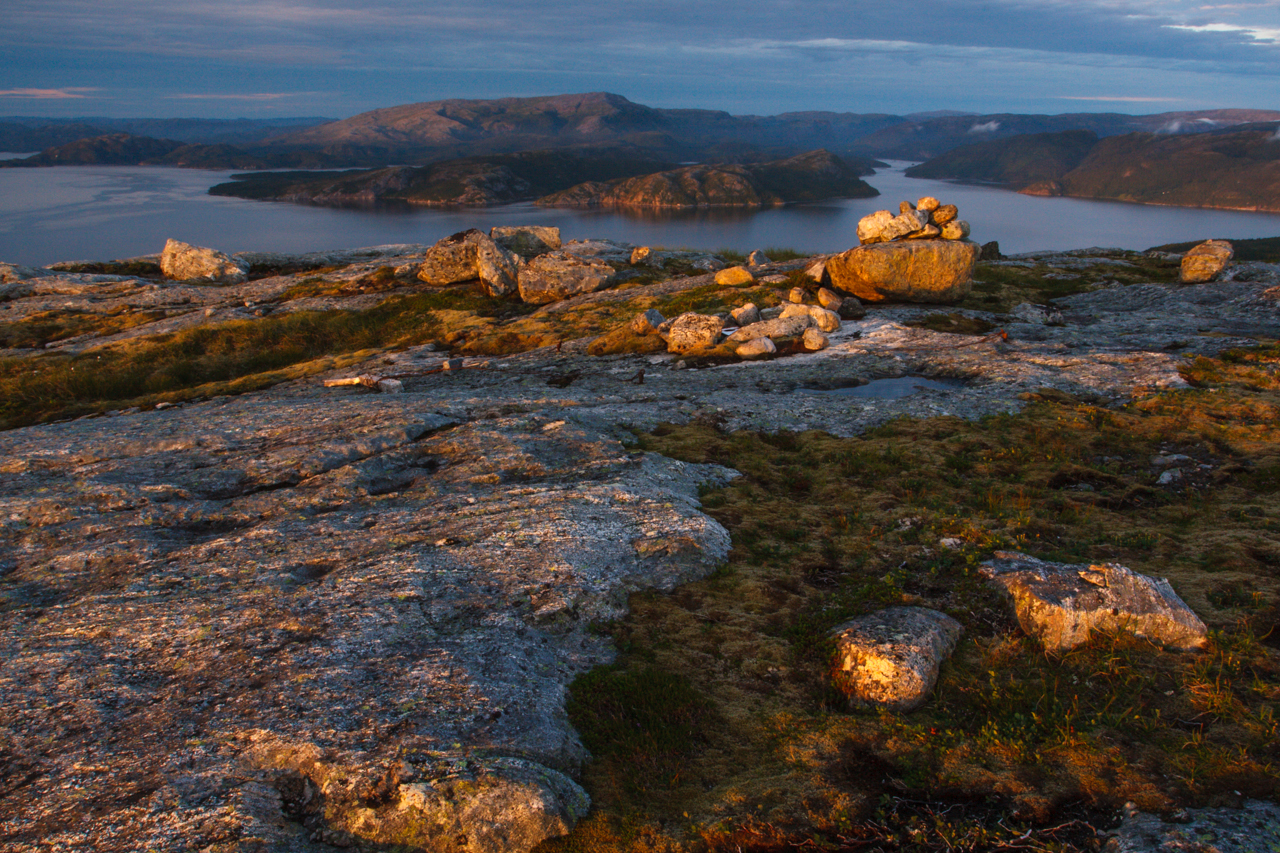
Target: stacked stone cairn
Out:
[927,219]
[923,254]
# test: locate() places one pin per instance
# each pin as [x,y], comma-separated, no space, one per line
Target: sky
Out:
[337,58]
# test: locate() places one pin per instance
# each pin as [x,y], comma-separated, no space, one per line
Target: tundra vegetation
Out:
[717,728]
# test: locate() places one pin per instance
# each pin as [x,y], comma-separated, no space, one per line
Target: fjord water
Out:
[105,212]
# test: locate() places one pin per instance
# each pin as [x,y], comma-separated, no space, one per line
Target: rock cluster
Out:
[921,255]
[924,220]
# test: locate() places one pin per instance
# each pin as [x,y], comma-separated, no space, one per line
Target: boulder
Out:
[956,229]
[527,241]
[647,323]
[1206,261]
[645,256]
[746,314]
[451,260]
[499,268]
[780,327]
[1062,604]
[890,659]
[560,275]
[934,271]
[757,258]
[813,340]
[184,262]
[991,252]
[735,277]
[692,331]
[756,348]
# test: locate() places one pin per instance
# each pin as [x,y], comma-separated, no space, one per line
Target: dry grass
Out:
[1014,740]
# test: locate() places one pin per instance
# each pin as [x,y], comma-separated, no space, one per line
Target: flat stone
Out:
[890,659]
[527,241]
[1062,604]
[780,327]
[756,348]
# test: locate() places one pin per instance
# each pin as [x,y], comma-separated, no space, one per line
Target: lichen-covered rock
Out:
[560,275]
[1205,262]
[498,268]
[184,262]
[818,272]
[931,271]
[735,277]
[779,327]
[756,348]
[757,258]
[943,214]
[882,226]
[928,204]
[692,331]
[852,309]
[527,241]
[890,659]
[1252,828]
[451,260]
[956,229]
[1063,604]
[823,319]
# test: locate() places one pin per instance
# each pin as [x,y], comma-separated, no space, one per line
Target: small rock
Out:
[991,252]
[1063,604]
[829,300]
[390,386]
[797,295]
[852,309]
[943,214]
[813,340]
[906,207]
[818,272]
[956,229]
[891,659]
[692,331]
[647,322]
[644,255]
[1173,475]
[756,348]
[929,232]
[1205,262]
[928,204]
[1039,314]
[735,277]
[746,314]
[184,262]
[452,364]
[1165,460]
[872,227]
[757,258]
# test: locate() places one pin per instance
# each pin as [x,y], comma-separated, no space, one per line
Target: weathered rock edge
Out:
[303,622]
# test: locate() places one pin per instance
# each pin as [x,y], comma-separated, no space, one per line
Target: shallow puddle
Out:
[893,388]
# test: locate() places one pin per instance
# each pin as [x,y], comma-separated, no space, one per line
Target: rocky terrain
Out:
[1236,168]
[335,613]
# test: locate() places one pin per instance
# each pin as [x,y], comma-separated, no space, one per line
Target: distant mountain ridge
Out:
[1236,168]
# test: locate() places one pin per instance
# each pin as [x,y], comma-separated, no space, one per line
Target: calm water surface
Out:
[103,212]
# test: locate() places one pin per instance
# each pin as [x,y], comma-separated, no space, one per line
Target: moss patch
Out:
[1015,743]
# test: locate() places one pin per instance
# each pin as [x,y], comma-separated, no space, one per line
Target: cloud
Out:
[1127,99]
[1260,35]
[988,127]
[254,96]
[48,94]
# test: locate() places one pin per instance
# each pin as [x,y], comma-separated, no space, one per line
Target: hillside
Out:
[1236,168]
[813,176]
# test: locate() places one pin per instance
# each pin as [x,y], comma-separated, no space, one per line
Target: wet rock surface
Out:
[1254,827]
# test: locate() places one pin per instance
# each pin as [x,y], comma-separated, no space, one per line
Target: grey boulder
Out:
[1062,604]
[560,275]
[890,659]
